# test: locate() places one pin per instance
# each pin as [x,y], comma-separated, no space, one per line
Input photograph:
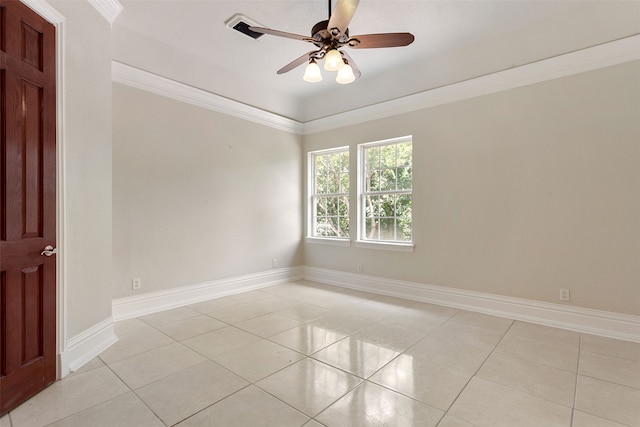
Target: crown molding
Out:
[140,79]
[592,58]
[109,9]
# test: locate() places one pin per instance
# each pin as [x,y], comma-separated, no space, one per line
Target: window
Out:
[385,191]
[329,192]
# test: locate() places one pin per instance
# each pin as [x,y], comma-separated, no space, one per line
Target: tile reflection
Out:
[309,386]
[370,404]
[416,376]
[422,365]
[400,374]
[356,356]
[307,339]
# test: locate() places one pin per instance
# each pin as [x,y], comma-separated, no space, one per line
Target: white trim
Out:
[327,241]
[588,59]
[332,150]
[390,141]
[87,345]
[361,242]
[385,246]
[61,196]
[46,11]
[128,307]
[140,79]
[109,9]
[310,191]
[603,323]
[592,58]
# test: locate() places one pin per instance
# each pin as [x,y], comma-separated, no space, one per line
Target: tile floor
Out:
[304,354]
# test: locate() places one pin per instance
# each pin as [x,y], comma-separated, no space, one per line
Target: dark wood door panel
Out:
[2,28]
[23,160]
[23,40]
[27,382]
[24,293]
[23,155]
[27,204]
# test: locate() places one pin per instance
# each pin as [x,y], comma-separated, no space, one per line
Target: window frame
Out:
[312,195]
[362,241]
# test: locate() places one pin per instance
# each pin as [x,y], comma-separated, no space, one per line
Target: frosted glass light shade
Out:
[345,75]
[312,73]
[333,60]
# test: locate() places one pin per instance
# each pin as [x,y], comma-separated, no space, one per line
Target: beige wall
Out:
[198,195]
[583,25]
[87,165]
[518,193]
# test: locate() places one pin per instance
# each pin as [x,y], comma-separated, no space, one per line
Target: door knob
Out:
[49,250]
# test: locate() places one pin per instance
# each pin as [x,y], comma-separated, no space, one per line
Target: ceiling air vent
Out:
[241,23]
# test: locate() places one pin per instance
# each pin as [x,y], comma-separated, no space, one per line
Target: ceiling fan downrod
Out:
[330,36]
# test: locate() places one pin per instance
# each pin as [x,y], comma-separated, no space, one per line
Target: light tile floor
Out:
[308,354]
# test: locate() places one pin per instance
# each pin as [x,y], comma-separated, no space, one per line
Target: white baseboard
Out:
[87,345]
[596,322]
[139,305]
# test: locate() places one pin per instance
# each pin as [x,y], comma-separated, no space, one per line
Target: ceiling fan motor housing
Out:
[329,36]
[320,33]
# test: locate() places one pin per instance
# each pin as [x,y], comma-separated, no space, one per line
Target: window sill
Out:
[385,246]
[328,241]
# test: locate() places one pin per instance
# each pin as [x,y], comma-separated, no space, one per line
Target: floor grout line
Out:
[478,369]
[342,313]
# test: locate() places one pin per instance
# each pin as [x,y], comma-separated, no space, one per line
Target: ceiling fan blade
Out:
[341,17]
[281,34]
[354,67]
[295,63]
[371,41]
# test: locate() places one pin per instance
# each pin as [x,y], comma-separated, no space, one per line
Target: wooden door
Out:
[27,204]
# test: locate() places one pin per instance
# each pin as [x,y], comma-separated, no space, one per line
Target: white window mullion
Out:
[330,223]
[381,167]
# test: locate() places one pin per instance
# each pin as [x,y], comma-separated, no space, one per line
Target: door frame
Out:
[51,15]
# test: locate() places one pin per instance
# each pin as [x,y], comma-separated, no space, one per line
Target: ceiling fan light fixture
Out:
[345,75]
[312,72]
[333,60]
[328,37]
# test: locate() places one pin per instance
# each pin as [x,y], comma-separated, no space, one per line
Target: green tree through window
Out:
[330,193]
[386,180]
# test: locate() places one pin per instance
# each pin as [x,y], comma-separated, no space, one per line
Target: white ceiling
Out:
[187,41]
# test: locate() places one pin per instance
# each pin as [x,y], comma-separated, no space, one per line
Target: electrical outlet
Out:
[274,263]
[359,268]
[136,284]
[565,295]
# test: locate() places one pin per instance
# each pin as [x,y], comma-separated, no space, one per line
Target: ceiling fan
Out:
[332,35]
